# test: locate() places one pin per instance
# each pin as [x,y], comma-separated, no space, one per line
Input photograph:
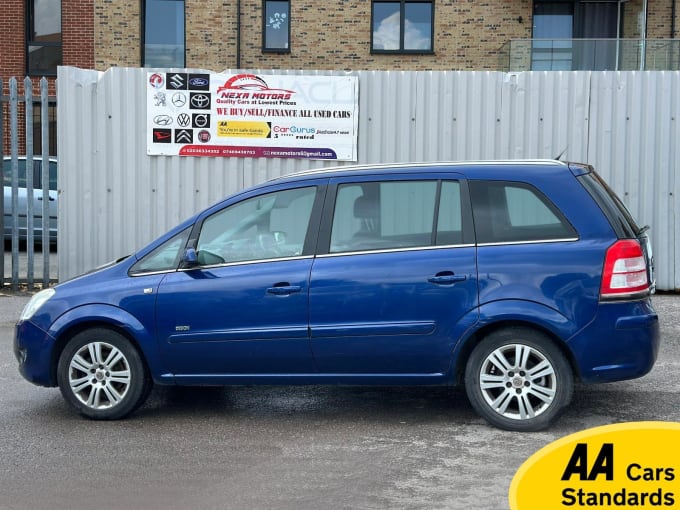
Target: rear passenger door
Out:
[394,276]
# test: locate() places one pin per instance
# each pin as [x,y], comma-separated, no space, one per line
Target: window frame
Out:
[143,37]
[402,23]
[265,48]
[29,41]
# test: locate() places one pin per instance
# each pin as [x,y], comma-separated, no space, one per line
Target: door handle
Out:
[446,278]
[283,289]
[50,199]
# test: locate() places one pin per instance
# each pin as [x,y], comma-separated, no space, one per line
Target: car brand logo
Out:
[162,120]
[156,80]
[179,100]
[183,120]
[204,136]
[159,98]
[177,81]
[162,135]
[200,101]
[201,120]
[199,81]
[184,135]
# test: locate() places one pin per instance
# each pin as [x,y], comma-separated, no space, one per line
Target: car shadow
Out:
[374,403]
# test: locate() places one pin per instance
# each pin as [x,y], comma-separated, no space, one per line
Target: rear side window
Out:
[508,212]
[7,172]
[37,173]
[396,214]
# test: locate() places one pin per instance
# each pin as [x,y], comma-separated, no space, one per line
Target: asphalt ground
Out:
[291,447]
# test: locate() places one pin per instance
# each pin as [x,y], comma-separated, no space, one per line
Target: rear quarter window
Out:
[511,212]
[616,212]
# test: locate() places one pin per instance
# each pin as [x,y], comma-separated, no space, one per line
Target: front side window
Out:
[395,215]
[164,258]
[403,26]
[164,33]
[276,26]
[508,212]
[269,226]
[43,37]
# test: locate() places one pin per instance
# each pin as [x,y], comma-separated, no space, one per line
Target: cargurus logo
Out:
[295,130]
[302,130]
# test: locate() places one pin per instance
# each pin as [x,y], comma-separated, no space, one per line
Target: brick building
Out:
[362,34]
[38,35]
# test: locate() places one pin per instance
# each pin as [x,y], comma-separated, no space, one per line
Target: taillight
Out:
[625,270]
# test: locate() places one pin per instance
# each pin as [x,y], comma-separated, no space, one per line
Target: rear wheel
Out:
[102,375]
[517,379]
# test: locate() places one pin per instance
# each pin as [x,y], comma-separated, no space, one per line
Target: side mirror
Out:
[190,258]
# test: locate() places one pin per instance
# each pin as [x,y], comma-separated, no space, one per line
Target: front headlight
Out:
[35,303]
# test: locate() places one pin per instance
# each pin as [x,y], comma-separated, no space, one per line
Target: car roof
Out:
[488,168]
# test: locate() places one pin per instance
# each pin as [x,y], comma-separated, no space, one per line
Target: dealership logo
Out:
[156,80]
[243,86]
[184,135]
[200,101]
[201,120]
[162,120]
[162,135]
[204,136]
[183,120]
[179,100]
[199,81]
[177,81]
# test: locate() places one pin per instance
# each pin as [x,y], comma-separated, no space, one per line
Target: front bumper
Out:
[34,349]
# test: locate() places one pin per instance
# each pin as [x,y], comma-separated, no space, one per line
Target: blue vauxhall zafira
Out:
[512,278]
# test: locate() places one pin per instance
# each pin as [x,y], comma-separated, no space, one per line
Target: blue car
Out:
[514,279]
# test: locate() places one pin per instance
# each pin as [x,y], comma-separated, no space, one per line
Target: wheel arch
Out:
[548,322]
[108,317]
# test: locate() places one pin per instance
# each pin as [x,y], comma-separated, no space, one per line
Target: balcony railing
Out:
[590,54]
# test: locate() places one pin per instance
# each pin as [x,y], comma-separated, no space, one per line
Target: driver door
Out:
[244,308]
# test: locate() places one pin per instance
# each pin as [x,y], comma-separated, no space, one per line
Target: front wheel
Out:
[102,375]
[517,379]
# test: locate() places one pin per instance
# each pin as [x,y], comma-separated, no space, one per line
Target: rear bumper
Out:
[621,343]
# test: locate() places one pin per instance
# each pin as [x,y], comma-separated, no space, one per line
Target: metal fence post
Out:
[30,206]
[45,144]
[14,151]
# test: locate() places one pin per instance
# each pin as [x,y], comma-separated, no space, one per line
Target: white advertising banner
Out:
[244,115]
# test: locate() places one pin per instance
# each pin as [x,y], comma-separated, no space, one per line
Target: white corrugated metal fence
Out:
[114,198]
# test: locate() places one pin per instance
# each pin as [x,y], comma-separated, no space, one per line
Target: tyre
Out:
[102,375]
[517,379]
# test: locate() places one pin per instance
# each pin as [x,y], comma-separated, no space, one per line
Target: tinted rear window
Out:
[614,209]
[512,212]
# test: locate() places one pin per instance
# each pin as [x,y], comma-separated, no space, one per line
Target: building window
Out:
[276,26]
[576,35]
[164,33]
[43,37]
[52,126]
[404,26]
